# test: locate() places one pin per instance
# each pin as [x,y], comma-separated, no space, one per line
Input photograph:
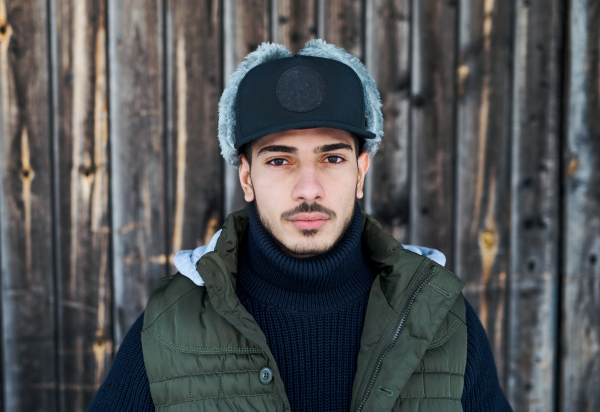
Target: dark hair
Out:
[247,148]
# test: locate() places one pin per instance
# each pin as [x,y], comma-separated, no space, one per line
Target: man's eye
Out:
[334,159]
[277,162]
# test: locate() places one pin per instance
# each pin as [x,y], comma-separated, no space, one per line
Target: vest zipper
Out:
[394,339]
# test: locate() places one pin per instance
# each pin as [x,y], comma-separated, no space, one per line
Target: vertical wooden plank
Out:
[580,378]
[344,25]
[196,84]
[246,24]
[296,23]
[432,134]
[137,159]
[483,131]
[387,58]
[28,312]
[535,199]
[84,285]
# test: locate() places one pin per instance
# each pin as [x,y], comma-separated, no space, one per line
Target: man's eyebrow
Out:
[277,148]
[334,146]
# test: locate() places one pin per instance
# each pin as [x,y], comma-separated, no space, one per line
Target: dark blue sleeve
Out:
[126,387]
[482,391]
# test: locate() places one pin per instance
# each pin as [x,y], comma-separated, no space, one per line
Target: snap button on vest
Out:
[266,376]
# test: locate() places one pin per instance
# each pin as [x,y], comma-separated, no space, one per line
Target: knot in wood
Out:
[463,72]
[488,238]
[5,32]
[27,174]
[573,167]
[100,340]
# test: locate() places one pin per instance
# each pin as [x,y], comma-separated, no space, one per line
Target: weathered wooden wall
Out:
[109,165]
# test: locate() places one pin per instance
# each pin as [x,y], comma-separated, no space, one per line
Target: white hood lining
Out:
[185,261]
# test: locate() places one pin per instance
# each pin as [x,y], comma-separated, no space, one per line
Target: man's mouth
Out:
[308,221]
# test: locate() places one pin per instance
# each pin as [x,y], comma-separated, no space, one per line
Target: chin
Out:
[309,245]
[298,242]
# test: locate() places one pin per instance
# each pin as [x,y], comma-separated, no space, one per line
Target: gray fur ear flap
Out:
[319,48]
[263,54]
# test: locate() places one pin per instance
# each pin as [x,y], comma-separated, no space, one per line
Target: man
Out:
[302,302]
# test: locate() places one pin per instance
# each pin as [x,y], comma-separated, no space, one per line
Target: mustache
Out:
[308,208]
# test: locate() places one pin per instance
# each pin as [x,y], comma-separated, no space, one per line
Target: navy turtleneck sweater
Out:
[312,311]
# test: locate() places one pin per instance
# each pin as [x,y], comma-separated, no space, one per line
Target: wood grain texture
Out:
[84,284]
[28,310]
[535,206]
[432,133]
[387,58]
[109,164]
[295,23]
[580,378]
[137,155]
[344,25]
[483,131]
[195,88]
[246,24]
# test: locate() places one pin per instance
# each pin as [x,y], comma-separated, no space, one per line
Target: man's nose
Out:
[307,186]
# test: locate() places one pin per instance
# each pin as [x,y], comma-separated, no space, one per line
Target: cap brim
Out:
[304,125]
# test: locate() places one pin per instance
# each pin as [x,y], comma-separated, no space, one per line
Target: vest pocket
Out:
[207,386]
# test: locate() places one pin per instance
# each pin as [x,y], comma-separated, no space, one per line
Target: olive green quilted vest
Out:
[204,352]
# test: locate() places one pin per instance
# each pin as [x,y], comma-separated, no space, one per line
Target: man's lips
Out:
[308,221]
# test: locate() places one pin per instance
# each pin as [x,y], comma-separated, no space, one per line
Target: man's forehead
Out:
[304,138]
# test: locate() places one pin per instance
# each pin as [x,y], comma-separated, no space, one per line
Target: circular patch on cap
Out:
[300,89]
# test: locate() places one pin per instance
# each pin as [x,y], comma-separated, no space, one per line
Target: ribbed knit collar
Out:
[319,283]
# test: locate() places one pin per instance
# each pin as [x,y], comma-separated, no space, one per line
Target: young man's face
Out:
[305,183]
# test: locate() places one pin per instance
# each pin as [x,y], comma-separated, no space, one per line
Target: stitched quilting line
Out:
[190,381]
[202,351]
[191,375]
[221,380]
[441,373]
[164,405]
[168,392]
[446,336]
[435,397]
[250,382]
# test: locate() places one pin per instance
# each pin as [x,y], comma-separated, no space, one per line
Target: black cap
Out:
[296,93]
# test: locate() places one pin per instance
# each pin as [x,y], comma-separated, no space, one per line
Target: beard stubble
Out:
[306,208]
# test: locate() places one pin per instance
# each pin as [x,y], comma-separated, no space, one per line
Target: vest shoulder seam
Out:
[165,309]
[459,318]
[201,351]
